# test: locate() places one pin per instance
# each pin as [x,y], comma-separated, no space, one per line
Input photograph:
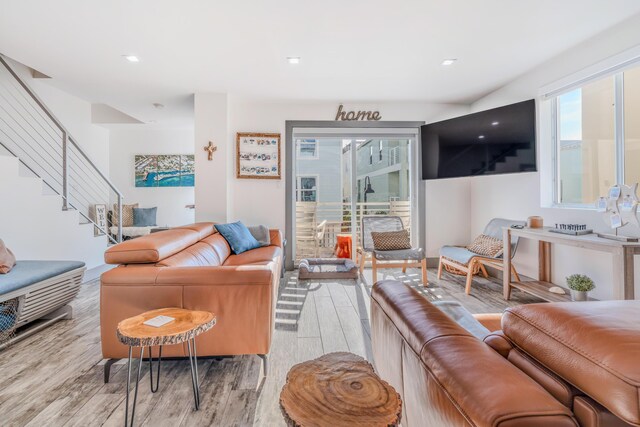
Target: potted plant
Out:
[580,286]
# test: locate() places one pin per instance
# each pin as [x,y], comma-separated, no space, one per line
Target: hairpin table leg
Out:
[135,395]
[154,389]
[193,361]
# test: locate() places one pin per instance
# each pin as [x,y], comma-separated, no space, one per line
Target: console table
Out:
[622,253]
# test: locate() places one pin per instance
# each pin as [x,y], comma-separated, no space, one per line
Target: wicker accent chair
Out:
[414,257]
[462,259]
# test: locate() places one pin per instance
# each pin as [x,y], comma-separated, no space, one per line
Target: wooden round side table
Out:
[187,324]
[338,389]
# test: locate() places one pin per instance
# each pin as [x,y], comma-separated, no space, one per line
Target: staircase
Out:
[49,186]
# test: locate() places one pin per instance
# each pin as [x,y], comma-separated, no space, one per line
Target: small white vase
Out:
[579,295]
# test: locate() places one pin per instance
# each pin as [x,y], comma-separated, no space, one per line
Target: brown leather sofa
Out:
[564,364]
[192,267]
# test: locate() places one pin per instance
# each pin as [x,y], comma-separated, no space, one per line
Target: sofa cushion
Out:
[220,245]
[254,256]
[7,259]
[261,234]
[151,248]
[203,229]
[238,236]
[593,345]
[197,255]
[127,215]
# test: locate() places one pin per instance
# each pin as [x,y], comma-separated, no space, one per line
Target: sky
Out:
[570,105]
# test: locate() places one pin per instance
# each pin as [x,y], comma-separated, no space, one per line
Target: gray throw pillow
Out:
[144,217]
[261,234]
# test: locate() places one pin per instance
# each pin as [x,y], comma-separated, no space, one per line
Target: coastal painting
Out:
[165,170]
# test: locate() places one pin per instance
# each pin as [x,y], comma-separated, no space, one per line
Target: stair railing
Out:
[33,134]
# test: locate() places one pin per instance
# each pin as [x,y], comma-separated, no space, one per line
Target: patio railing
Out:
[319,224]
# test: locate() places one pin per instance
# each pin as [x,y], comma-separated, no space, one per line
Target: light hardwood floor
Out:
[54,378]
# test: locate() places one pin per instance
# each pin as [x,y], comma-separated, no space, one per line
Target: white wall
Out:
[263,201]
[518,196]
[63,243]
[125,144]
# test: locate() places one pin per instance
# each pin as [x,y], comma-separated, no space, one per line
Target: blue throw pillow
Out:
[238,236]
[144,217]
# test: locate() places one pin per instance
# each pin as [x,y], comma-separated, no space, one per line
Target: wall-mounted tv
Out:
[491,142]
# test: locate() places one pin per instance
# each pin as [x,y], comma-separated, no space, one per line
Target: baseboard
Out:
[95,272]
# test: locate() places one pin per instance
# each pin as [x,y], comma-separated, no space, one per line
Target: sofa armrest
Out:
[189,276]
[275,236]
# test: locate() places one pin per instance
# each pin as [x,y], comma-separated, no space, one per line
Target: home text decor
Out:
[342,115]
[258,155]
[210,149]
[173,170]
[100,218]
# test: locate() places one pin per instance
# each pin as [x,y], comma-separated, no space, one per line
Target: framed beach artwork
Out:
[165,170]
[258,155]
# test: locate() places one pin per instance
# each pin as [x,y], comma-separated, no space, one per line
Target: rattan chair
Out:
[462,259]
[414,257]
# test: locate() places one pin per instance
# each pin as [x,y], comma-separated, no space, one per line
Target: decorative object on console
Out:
[535,222]
[238,236]
[167,170]
[7,258]
[210,149]
[571,229]
[144,217]
[580,286]
[258,155]
[618,209]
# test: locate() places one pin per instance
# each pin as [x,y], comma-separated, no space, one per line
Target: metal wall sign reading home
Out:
[356,115]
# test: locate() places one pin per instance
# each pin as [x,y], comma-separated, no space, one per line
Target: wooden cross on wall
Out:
[210,149]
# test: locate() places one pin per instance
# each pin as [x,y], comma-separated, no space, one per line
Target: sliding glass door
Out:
[341,178]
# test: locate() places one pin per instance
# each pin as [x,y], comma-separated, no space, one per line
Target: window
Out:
[307,189]
[394,155]
[379,151]
[597,138]
[307,148]
[371,154]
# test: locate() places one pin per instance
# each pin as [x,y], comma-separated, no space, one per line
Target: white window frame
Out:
[379,151]
[299,190]
[550,111]
[316,154]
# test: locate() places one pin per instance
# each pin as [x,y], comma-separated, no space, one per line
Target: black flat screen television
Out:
[502,140]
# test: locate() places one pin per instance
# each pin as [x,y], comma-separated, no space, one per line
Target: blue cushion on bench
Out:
[27,273]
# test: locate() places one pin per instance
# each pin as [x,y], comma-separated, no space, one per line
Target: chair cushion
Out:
[593,345]
[458,254]
[486,246]
[400,255]
[238,236]
[391,240]
[27,273]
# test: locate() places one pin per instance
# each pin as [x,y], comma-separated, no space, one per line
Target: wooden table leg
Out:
[506,263]
[623,283]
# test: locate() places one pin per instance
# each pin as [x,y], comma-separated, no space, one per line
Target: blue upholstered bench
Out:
[37,289]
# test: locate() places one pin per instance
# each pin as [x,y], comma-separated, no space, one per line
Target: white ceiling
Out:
[358,50]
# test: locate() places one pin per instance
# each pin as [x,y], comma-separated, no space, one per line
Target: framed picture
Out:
[258,155]
[100,218]
[165,170]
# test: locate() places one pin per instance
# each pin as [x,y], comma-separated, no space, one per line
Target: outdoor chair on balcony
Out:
[460,258]
[402,258]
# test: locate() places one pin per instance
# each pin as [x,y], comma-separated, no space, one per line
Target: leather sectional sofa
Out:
[564,364]
[192,267]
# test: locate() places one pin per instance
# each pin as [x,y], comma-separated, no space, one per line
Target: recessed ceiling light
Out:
[293,59]
[481,137]
[449,61]
[131,58]
[495,123]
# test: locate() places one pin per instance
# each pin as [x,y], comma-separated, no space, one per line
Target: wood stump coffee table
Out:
[187,324]
[338,389]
